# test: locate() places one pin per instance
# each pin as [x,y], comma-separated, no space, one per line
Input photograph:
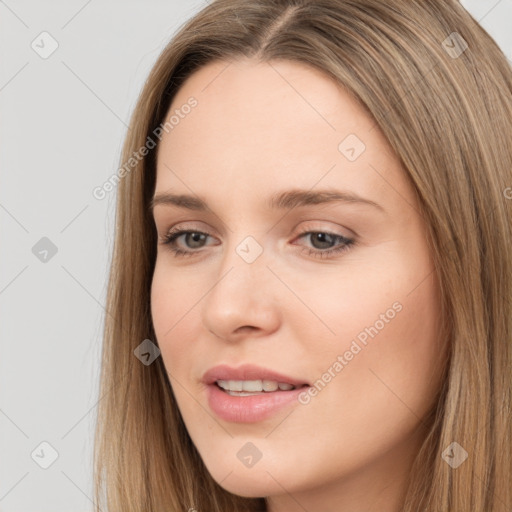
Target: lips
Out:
[248,372]
[249,407]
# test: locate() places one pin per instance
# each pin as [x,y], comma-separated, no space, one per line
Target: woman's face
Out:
[258,286]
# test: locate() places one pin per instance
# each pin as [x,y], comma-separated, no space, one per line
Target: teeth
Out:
[254,386]
[270,385]
[250,385]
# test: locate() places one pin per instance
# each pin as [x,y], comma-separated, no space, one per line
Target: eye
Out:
[193,237]
[323,237]
[195,240]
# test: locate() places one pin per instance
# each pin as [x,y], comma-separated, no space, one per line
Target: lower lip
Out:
[249,409]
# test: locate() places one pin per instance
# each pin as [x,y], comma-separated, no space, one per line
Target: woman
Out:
[243,372]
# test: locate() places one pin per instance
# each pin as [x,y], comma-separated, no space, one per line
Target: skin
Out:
[260,128]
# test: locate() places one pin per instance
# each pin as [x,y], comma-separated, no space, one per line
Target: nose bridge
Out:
[242,294]
[245,241]
[243,265]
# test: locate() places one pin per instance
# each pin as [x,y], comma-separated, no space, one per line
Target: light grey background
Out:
[62,123]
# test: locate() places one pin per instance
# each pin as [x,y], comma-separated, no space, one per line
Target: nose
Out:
[243,300]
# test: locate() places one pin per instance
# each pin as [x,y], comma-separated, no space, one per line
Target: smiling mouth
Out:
[254,387]
[252,401]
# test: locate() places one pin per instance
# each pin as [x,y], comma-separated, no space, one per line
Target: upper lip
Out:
[247,372]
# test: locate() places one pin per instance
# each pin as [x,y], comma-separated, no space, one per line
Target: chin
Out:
[248,482]
[250,485]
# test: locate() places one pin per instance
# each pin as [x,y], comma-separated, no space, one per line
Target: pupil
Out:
[196,237]
[322,236]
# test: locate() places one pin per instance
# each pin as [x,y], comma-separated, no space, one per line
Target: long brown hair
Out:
[440,89]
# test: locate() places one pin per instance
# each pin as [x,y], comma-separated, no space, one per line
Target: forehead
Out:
[264,126]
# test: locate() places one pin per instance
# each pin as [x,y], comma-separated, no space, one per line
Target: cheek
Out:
[176,300]
[385,365]
[394,299]
[173,311]
[387,321]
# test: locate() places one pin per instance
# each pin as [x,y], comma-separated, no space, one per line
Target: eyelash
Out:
[170,238]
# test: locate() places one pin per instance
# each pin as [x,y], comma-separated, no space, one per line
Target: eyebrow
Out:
[280,201]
